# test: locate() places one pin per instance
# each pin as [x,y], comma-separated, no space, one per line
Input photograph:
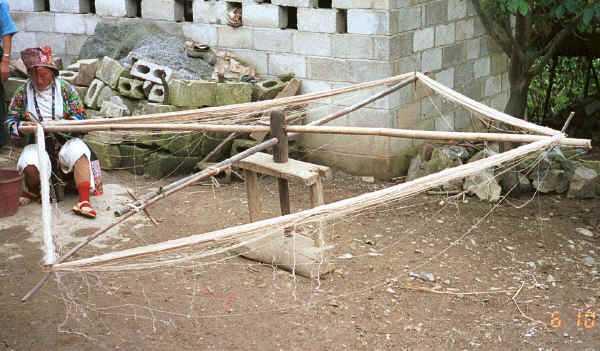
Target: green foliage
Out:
[568,87]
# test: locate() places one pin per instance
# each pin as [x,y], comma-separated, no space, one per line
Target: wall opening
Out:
[234,14]
[292,16]
[324,4]
[188,11]
[47,5]
[92,6]
[138,9]
[344,19]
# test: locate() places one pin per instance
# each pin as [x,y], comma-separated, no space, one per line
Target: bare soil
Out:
[378,298]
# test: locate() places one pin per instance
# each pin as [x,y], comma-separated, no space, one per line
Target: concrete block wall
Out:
[350,42]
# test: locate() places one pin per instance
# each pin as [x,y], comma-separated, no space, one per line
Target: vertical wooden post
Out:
[280,155]
[253,195]
[316,199]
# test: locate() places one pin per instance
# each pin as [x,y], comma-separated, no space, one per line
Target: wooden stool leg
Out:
[253,196]
[316,199]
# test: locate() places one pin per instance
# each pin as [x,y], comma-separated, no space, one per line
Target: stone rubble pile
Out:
[110,89]
[557,170]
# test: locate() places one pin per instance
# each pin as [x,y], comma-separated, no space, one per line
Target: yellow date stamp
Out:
[583,319]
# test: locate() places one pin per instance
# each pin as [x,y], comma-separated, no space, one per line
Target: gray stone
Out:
[585,232]
[181,144]
[105,94]
[133,158]
[112,109]
[484,185]
[233,93]
[192,93]
[584,183]
[515,183]
[108,154]
[110,71]
[414,169]
[589,261]
[133,88]
[160,164]
[106,137]
[555,180]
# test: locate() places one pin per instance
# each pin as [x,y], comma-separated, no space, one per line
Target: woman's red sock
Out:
[83,189]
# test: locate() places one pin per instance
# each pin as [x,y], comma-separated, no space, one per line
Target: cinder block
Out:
[431,60]
[133,88]
[258,60]
[321,20]
[446,77]
[393,47]
[445,34]
[464,29]
[81,91]
[70,23]
[352,4]
[168,10]
[264,15]
[268,89]
[353,46]
[367,70]
[68,76]
[110,71]
[23,41]
[273,40]
[295,3]
[157,94]
[116,8]
[38,22]
[493,86]
[337,70]
[133,158]
[111,109]
[27,5]
[200,32]
[149,108]
[233,93]
[457,9]
[240,38]
[473,48]
[499,63]
[313,44]
[481,67]
[160,164]
[283,64]
[454,55]
[410,19]
[70,6]
[91,21]
[91,97]
[150,71]
[423,39]
[436,12]
[56,41]
[372,22]
[210,12]
[192,93]
[109,155]
[87,72]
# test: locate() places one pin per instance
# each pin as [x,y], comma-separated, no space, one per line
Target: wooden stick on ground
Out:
[145,210]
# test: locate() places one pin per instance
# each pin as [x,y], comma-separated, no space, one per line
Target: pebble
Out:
[531,264]
[589,261]
[585,232]
[368,179]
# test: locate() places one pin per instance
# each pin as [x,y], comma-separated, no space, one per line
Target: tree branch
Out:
[551,48]
[496,29]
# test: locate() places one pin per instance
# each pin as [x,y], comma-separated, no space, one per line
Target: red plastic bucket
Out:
[10,189]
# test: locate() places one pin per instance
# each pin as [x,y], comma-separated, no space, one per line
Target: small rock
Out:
[346,255]
[428,276]
[368,179]
[585,232]
[589,261]
[531,265]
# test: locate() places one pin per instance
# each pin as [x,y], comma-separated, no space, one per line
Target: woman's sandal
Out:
[84,208]
[26,198]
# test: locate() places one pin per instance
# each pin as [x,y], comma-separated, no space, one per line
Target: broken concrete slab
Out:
[149,108]
[87,72]
[108,154]
[268,89]
[181,144]
[192,93]
[233,93]
[157,93]
[133,158]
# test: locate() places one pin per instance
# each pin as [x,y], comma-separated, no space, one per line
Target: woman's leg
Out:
[81,173]
[32,179]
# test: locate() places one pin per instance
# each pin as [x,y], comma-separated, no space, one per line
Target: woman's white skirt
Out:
[68,154]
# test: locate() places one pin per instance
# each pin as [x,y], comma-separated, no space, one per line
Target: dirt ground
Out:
[519,278]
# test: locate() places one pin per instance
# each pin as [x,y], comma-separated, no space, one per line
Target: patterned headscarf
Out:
[38,57]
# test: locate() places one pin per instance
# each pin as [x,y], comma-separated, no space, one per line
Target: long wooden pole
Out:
[148,200]
[395,192]
[390,132]
[245,108]
[482,109]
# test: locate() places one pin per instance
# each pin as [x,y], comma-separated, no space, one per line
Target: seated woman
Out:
[45,96]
